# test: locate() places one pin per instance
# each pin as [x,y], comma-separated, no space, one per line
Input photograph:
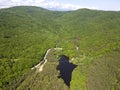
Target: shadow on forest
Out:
[65,68]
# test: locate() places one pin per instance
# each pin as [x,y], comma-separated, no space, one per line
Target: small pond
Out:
[65,68]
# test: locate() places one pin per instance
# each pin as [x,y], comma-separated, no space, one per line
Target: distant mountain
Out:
[90,38]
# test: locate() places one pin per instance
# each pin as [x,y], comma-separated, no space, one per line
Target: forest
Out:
[90,38]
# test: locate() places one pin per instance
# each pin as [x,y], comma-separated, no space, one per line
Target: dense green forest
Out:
[90,38]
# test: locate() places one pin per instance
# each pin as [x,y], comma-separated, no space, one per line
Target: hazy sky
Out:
[65,4]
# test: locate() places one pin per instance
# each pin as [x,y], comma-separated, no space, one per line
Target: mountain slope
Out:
[86,36]
[23,40]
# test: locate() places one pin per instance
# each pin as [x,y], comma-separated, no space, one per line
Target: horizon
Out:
[58,9]
[64,5]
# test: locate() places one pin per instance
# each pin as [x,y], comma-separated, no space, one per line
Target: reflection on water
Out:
[65,68]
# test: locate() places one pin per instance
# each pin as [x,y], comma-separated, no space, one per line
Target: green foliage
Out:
[27,32]
[45,80]
[78,81]
[104,73]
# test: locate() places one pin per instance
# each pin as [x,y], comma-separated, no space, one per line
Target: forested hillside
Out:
[90,38]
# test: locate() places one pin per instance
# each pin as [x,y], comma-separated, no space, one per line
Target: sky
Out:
[111,5]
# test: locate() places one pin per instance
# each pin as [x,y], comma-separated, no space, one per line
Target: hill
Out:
[90,38]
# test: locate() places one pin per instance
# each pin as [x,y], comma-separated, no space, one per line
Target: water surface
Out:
[65,68]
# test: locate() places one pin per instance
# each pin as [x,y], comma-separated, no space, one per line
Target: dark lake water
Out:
[65,68]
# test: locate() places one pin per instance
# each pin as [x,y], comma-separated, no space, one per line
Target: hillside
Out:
[90,38]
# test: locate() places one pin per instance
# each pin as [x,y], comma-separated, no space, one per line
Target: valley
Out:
[30,38]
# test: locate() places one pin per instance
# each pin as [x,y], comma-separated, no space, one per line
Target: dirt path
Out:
[42,63]
[45,60]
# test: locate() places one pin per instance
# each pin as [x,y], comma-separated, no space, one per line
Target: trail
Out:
[44,61]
